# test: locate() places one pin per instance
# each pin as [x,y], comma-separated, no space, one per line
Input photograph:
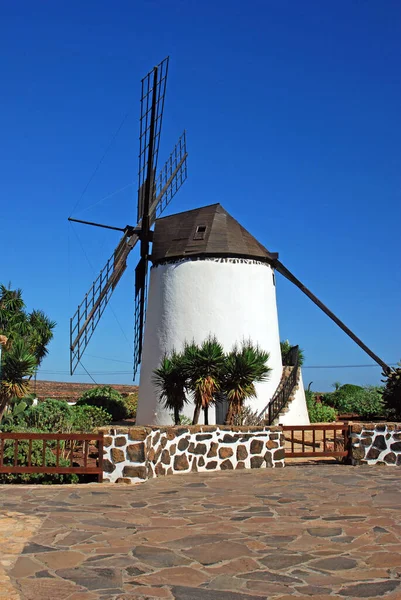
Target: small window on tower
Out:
[200,232]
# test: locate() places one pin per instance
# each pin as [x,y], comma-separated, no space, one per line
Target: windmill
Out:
[209,275]
[154,194]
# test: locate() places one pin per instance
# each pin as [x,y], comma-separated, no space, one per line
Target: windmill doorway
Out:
[221,411]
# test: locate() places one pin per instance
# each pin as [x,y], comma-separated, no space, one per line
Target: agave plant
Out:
[244,366]
[170,380]
[204,366]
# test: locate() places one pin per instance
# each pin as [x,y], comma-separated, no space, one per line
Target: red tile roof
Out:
[71,391]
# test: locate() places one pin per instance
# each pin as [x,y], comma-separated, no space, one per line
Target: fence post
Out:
[348,442]
[100,447]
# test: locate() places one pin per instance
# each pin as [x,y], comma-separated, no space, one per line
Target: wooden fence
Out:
[319,440]
[59,453]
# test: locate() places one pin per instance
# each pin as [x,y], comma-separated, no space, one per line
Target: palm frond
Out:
[17,364]
[244,366]
[204,365]
[170,381]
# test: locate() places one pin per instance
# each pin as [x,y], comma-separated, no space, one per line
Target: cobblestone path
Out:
[322,532]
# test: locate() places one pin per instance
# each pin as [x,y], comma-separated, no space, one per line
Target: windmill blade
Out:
[288,275]
[141,288]
[150,122]
[152,104]
[84,321]
[170,179]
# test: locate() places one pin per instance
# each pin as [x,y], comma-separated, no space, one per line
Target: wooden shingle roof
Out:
[206,231]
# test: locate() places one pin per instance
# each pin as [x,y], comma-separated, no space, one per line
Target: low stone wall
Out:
[376,443]
[133,454]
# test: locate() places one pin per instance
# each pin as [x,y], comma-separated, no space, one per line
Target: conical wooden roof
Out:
[206,231]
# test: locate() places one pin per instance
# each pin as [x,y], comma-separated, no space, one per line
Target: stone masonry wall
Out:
[134,454]
[376,443]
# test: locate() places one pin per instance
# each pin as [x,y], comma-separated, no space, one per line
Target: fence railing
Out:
[318,440]
[58,453]
[284,391]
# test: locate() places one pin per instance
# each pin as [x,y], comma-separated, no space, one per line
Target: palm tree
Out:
[10,301]
[17,363]
[24,338]
[41,333]
[35,328]
[243,367]
[12,315]
[204,366]
[170,380]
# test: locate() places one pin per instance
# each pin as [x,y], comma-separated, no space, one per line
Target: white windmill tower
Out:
[209,276]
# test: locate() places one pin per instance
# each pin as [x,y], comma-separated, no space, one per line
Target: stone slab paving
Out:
[324,532]
[15,530]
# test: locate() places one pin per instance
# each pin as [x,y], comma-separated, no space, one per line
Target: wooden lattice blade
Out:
[84,321]
[152,93]
[170,178]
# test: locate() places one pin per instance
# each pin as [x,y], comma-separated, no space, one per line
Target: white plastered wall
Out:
[297,411]
[233,299]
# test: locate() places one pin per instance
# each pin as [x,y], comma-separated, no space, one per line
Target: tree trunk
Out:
[176,415]
[230,414]
[196,414]
[3,406]
[206,414]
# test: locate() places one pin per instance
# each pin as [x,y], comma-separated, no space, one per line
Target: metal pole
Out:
[97,224]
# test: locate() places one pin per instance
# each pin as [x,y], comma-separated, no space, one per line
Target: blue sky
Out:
[293,117]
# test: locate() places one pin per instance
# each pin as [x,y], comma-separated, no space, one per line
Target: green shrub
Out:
[131,403]
[183,419]
[57,416]
[318,412]
[36,460]
[15,411]
[107,398]
[248,418]
[86,418]
[53,416]
[372,404]
[343,398]
[365,401]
